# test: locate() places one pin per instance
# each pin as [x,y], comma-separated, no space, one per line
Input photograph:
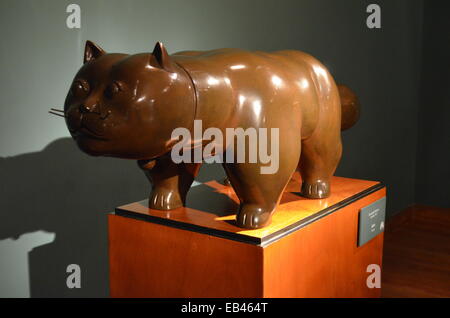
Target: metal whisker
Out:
[57,114]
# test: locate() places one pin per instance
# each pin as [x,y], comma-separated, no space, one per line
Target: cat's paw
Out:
[252,216]
[164,199]
[316,190]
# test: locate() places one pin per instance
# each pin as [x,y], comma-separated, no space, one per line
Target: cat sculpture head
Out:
[128,105]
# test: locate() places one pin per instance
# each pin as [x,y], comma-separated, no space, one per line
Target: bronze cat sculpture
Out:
[127,106]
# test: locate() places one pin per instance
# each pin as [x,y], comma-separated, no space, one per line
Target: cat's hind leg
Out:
[317,166]
[320,156]
[260,193]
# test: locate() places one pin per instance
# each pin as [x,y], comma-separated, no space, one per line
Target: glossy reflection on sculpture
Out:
[127,106]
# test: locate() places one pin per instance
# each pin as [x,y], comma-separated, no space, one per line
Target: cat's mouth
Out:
[85,131]
[79,129]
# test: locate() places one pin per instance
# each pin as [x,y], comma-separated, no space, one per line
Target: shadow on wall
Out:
[61,190]
[65,192]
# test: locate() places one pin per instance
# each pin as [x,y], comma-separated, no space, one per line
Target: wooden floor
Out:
[416,260]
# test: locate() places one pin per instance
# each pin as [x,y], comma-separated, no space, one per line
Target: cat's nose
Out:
[86,108]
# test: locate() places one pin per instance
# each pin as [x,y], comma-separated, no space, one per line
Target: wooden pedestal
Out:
[309,250]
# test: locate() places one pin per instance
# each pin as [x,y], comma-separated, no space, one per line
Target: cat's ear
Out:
[92,51]
[162,58]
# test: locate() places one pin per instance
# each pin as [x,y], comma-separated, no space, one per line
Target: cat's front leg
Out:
[170,181]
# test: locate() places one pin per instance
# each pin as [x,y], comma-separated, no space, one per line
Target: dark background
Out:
[54,199]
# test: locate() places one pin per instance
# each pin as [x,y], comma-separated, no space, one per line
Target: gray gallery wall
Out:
[54,199]
[433,166]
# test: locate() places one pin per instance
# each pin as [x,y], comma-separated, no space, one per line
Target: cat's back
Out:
[219,57]
[289,64]
[216,53]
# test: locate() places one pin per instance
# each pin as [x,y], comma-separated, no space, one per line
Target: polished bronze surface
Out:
[350,107]
[127,106]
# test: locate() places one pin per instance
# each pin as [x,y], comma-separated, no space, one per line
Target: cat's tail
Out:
[350,105]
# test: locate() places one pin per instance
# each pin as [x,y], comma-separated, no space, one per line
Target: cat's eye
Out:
[80,88]
[112,89]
